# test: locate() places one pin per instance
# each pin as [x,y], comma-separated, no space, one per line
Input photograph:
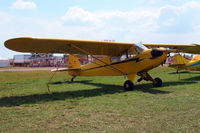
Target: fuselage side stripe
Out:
[198,63]
[124,61]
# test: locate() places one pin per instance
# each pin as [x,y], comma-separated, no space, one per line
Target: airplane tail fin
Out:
[178,62]
[73,62]
[178,59]
[74,66]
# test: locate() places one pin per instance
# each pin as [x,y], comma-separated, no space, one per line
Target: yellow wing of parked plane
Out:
[196,57]
[186,48]
[42,45]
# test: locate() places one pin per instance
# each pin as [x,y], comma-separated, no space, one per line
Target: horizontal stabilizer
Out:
[65,69]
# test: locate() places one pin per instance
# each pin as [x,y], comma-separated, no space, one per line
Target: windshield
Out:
[132,52]
[139,48]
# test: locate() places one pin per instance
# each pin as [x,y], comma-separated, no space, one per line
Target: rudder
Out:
[178,59]
[73,62]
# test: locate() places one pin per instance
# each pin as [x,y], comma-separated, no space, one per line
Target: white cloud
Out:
[138,18]
[168,23]
[183,8]
[134,25]
[79,14]
[21,5]
[179,19]
[121,25]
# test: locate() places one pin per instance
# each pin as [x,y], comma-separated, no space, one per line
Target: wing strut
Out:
[48,87]
[74,46]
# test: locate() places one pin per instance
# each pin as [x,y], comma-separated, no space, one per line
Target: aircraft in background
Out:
[121,59]
[180,63]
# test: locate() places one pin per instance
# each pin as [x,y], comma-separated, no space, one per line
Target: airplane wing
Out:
[45,45]
[186,48]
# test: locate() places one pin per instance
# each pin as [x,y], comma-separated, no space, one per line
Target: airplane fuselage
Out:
[144,61]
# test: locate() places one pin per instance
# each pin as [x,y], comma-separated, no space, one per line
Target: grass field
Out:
[98,104]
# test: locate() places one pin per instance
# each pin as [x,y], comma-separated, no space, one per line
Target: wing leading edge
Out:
[42,45]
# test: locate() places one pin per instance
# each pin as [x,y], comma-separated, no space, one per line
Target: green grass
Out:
[98,104]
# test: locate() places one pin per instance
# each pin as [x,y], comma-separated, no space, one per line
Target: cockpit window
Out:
[139,48]
[132,52]
[115,59]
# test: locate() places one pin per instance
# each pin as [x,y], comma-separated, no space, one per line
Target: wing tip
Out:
[196,44]
[12,43]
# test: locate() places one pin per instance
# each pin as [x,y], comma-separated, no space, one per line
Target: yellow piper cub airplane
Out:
[180,63]
[121,59]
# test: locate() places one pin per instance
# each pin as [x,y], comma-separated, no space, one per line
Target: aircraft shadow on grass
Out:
[193,78]
[185,72]
[101,89]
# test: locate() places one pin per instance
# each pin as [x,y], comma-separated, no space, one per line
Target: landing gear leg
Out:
[179,75]
[72,79]
[128,85]
[157,82]
[177,71]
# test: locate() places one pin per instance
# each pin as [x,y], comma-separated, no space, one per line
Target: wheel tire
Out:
[158,82]
[128,85]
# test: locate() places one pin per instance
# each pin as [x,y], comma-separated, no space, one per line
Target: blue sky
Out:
[149,21]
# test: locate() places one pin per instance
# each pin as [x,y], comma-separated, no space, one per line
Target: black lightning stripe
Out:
[124,61]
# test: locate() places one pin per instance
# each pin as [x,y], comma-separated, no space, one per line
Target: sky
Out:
[147,21]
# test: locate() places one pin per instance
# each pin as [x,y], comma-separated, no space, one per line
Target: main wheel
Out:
[128,85]
[158,82]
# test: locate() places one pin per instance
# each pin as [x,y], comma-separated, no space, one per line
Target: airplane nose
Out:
[156,53]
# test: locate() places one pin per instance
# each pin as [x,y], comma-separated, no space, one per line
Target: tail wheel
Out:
[128,85]
[158,82]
